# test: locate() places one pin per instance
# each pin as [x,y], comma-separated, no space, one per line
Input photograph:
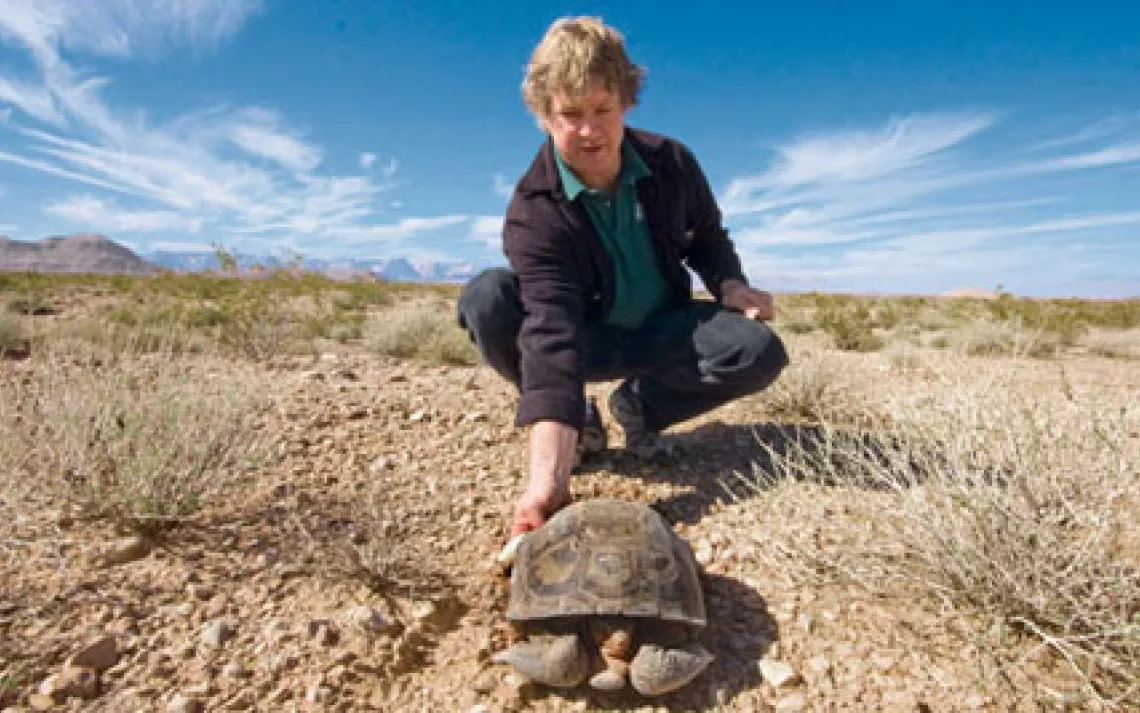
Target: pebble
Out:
[124,550]
[183,704]
[216,632]
[778,673]
[100,655]
[793,703]
[368,619]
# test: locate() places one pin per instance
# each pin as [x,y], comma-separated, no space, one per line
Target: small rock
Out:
[40,702]
[127,549]
[99,655]
[216,632]
[704,554]
[793,703]
[72,682]
[806,622]
[474,417]
[235,670]
[424,611]
[323,632]
[368,619]
[317,694]
[418,415]
[183,704]
[778,673]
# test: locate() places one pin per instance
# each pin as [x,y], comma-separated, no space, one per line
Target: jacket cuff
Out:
[547,405]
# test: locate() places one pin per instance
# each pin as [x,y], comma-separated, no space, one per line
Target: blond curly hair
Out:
[575,52]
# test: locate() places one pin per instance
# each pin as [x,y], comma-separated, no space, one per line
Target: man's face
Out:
[587,130]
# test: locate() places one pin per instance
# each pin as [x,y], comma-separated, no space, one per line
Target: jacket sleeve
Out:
[710,253]
[552,340]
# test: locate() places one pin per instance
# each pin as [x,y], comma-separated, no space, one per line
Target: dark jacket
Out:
[567,278]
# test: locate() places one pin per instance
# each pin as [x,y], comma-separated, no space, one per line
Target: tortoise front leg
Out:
[614,639]
[560,661]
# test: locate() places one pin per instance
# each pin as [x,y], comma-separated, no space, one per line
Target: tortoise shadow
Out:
[740,631]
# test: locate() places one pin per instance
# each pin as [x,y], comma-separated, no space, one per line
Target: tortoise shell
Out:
[606,557]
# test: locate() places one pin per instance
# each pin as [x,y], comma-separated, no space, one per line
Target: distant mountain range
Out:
[73,253]
[96,253]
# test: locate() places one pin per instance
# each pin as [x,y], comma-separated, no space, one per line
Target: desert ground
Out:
[286,493]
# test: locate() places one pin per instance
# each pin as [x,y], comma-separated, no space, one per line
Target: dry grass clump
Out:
[12,337]
[1113,343]
[422,329]
[816,386]
[141,439]
[1017,508]
[991,338]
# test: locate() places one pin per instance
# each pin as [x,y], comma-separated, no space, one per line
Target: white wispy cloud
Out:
[122,28]
[259,132]
[390,233]
[94,214]
[920,197]
[488,230]
[238,172]
[502,187]
[31,99]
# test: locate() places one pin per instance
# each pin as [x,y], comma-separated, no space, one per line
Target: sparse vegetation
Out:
[816,387]
[140,438]
[12,337]
[1011,505]
[992,489]
[420,329]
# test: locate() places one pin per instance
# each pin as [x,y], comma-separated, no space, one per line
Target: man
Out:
[599,235]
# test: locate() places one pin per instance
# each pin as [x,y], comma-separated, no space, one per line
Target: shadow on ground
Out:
[720,463]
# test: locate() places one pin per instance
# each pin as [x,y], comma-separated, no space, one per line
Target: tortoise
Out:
[606,591]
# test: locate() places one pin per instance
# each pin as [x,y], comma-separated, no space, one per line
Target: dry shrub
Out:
[817,387]
[95,335]
[990,338]
[1019,508]
[422,329]
[1113,343]
[12,338]
[141,439]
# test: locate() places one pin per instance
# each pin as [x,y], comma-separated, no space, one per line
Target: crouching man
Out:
[600,234]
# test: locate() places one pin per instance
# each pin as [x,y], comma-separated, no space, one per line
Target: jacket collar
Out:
[543,177]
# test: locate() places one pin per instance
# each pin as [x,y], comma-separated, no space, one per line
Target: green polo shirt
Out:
[619,220]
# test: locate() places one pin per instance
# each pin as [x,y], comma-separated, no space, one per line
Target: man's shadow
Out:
[720,463]
[740,631]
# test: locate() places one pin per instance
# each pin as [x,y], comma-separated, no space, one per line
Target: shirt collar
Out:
[633,168]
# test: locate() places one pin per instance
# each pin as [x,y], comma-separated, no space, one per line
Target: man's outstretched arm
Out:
[550,454]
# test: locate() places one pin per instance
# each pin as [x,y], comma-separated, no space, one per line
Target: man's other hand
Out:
[752,303]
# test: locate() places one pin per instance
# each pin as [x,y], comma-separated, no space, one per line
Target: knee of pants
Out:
[770,357]
[489,301]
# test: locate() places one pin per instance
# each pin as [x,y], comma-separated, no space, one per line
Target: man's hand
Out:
[551,454]
[533,510]
[753,304]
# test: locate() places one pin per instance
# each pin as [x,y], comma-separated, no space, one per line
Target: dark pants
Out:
[687,359]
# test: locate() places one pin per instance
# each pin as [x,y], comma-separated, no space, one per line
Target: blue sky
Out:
[871,146]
